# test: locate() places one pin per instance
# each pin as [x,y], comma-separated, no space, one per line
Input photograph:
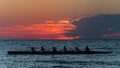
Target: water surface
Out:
[60,61]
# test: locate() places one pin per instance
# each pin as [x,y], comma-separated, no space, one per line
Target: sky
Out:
[53,19]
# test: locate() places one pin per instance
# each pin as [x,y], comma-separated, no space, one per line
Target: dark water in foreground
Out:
[60,61]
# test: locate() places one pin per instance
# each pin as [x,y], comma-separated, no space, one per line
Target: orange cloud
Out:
[47,30]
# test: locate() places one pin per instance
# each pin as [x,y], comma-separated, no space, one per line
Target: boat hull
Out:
[59,52]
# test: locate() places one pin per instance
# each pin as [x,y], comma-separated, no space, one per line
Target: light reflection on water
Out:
[60,61]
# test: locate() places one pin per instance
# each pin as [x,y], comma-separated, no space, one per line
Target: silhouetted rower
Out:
[54,49]
[33,50]
[42,49]
[77,49]
[87,49]
[65,49]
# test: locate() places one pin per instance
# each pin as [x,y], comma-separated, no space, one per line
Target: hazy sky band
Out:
[51,9]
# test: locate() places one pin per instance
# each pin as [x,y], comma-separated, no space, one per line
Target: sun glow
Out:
[64,21]
[48,30]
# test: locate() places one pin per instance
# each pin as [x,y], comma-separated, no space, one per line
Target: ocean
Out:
[111,60]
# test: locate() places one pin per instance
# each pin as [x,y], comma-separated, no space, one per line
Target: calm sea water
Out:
[60,61]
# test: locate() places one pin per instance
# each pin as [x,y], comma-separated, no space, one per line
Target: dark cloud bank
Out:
[95,27]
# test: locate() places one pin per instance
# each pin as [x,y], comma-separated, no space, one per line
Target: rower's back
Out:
[77,49]
[65,49]
[87,49]
[42,49]
[33,50]
[54,49]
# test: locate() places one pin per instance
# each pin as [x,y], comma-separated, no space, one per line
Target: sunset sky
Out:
[54,19]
